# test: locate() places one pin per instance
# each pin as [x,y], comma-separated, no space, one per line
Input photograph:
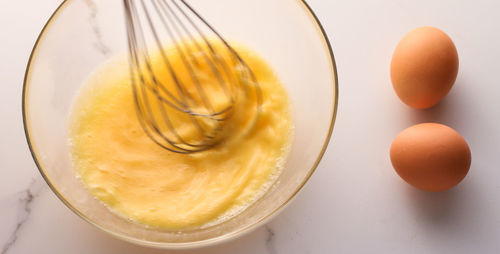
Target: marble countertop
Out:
[354,202]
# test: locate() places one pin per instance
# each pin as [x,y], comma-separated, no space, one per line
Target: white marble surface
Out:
[354,203]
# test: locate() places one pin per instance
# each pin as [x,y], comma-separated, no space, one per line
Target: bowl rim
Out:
[195,244]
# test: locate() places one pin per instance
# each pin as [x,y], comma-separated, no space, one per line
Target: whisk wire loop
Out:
[159,101]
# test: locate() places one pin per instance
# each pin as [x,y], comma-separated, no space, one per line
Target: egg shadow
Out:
[437,208]
[434,208]
[447,112]
[434,114]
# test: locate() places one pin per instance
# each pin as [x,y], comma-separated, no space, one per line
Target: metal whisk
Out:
[160,103]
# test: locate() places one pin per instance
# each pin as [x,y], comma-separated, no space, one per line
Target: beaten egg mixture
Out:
[137,179]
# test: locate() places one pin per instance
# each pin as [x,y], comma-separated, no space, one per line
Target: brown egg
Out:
[424,67]
[430,156]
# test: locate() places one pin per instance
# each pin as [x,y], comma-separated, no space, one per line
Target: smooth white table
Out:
[354,203]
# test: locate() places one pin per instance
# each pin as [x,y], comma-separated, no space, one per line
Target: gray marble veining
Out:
[99,43]
[25,200]
[270,242]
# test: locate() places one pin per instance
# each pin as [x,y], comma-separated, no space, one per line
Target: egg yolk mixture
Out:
[137,179]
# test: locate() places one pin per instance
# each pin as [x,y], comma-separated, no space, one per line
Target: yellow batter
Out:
[137,179]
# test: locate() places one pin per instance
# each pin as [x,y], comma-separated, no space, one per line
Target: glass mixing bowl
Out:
[81,35]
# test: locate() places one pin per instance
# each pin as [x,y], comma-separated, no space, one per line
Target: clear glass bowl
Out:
[81,35]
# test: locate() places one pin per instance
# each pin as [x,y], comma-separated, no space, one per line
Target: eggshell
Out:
[424,67]
[430,156]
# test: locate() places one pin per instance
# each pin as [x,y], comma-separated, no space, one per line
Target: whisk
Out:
[159,103]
